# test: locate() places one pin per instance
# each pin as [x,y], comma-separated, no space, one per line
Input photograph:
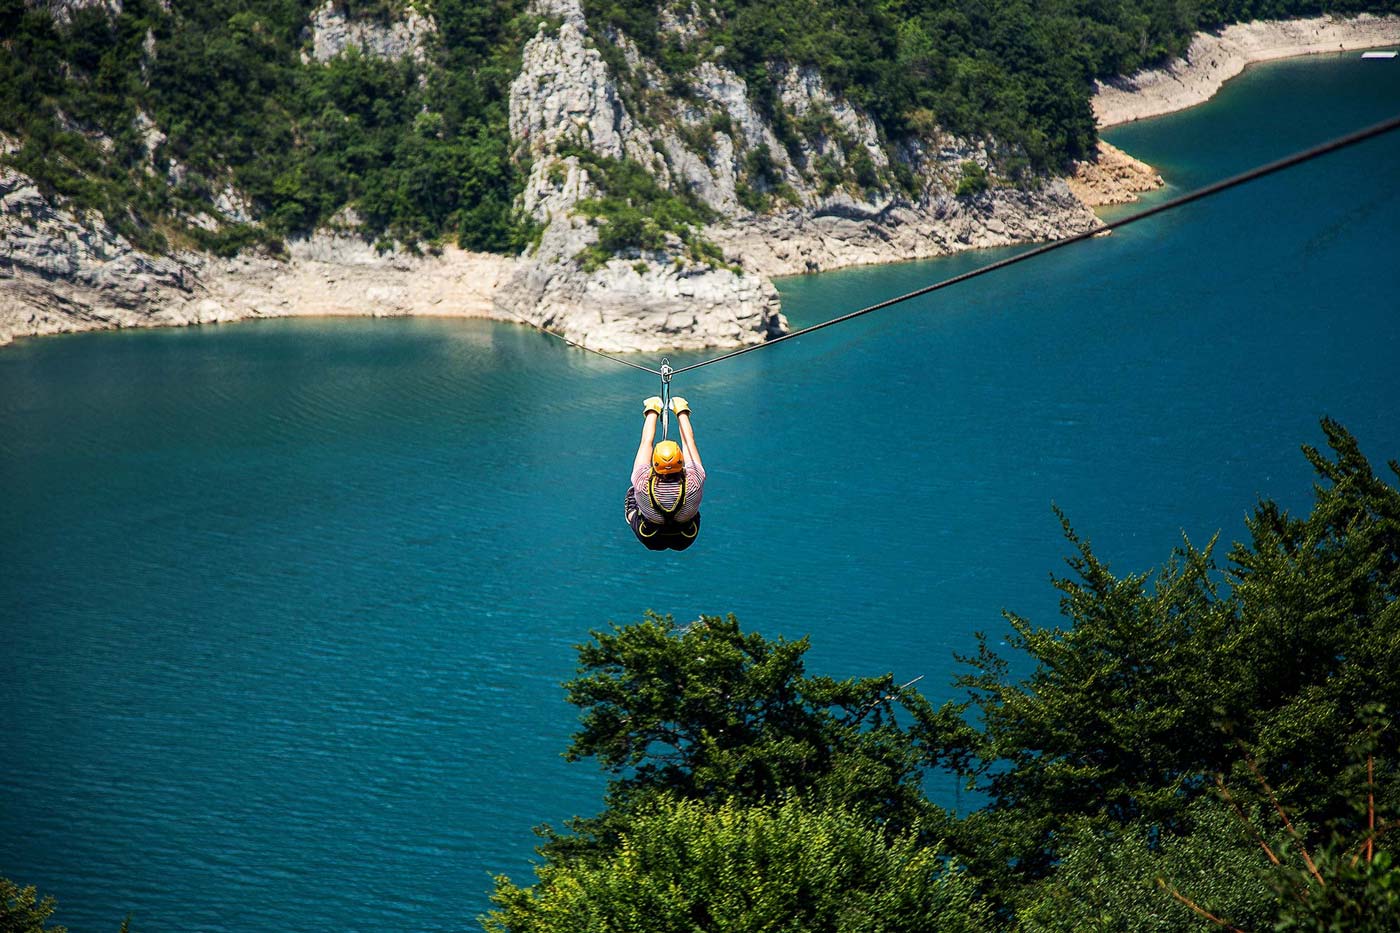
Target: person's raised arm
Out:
[692,453]
[652,409]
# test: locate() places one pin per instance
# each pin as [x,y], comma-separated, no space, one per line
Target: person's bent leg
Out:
[629,507]
[686,537]
[651,539]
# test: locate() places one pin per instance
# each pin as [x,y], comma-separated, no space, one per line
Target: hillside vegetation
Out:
[154,116]
[420,149]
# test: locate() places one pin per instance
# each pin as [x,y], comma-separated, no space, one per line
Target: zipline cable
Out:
[1341,142]
[574,343]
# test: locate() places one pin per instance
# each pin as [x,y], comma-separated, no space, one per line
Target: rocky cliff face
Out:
[821,197]
[59,272]
[333,33]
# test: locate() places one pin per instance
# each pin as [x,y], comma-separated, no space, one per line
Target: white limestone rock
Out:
[798,241]
[62,10]
[565,96]
[640,306]
[61,273]
[333,33]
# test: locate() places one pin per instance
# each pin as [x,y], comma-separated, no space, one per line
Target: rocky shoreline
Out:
[1214,58]
[62,273]
[1112,177]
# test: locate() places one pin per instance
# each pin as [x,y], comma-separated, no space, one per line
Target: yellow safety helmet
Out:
[666,458]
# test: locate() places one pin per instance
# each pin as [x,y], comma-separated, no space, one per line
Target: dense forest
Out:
[420,149]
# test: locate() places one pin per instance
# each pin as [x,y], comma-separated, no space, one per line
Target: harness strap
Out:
[656,504]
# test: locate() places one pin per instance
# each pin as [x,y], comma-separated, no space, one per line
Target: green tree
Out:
[22,910]
[708,712]
[1224,870]
[1159,683]
[1114,723]
[1359,897]
[1136,779]
[1120,880]
[704,867]
[1318,596]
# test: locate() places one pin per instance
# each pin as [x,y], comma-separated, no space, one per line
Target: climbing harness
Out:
[685,530]
[656,503]
[1341,142]
[669,525]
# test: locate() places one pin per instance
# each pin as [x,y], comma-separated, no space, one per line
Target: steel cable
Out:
[1341,142]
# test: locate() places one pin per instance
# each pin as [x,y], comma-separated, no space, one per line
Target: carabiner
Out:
[665,398]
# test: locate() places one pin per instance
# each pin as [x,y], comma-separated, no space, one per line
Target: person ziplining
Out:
[663,500]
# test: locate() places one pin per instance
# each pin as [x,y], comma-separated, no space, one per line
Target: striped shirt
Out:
[667,491]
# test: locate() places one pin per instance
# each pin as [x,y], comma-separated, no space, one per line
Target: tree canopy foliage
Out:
[22,910]
[707,710]
[1201,740]
[692,865]
[1151,690]
[420,149]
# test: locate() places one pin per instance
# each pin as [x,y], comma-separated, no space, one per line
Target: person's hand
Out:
[652,405]
[679,405]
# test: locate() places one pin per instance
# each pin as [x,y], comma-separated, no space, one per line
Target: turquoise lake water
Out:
[286,605]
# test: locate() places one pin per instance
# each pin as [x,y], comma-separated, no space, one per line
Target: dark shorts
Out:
[659,539]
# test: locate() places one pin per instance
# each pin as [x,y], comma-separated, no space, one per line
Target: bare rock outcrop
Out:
[61,273]
[565,97]
[345,275]
[333,33]
[1112,177]
[839,228]
[62,10]
[797,242]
